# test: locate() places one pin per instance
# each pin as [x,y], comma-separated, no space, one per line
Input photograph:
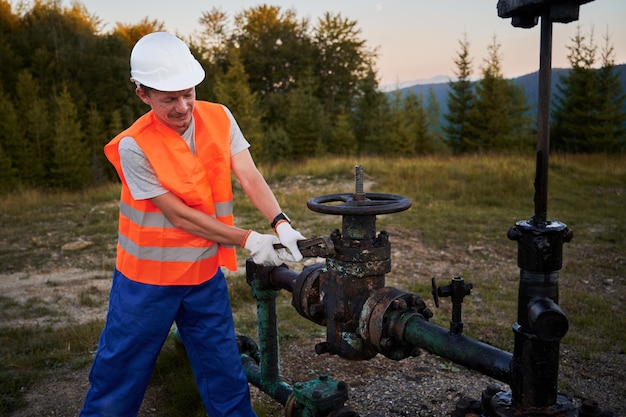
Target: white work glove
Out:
[289,238]
[262,250]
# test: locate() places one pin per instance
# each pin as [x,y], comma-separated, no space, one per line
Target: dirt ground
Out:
[423,386]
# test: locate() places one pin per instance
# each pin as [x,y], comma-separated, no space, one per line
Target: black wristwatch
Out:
[279,217]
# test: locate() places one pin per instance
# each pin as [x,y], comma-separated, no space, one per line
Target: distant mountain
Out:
[529,82]
[440,90]
[407,84]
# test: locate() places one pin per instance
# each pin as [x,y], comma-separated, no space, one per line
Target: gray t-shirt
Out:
[143,182]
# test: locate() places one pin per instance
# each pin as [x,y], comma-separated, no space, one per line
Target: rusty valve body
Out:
[348,295]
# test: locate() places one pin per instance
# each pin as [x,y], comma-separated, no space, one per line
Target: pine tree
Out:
[416,126]
[343,137]
[70,164]
[460,101]
[399,141]
[276,147]
[233,91]
[371,117]
[521,134]
[11,144]
[574,116]
[8,175]
[97,137]
[306,123]
[612,117]
[433,122]
[9,30]
[34,160]
[498,119]
[115,124]
[112,128]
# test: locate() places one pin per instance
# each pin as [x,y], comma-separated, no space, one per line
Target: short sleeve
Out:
[142,181]
[238,141]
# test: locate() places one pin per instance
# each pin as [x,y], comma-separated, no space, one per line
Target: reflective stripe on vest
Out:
[150,248]
[157,253]
[158,219]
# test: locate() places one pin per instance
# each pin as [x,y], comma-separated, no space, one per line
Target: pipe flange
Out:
[378,326]
[373,314]
[306,298]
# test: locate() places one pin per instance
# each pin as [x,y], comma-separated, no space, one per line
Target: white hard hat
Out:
[162,61]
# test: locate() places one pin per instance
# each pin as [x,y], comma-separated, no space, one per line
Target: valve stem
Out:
[359,194]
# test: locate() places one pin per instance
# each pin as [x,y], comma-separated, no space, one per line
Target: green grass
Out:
[91,297]
[35,225]
[30,354]
[457,202]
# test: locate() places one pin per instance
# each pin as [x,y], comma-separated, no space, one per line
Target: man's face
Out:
[172,108]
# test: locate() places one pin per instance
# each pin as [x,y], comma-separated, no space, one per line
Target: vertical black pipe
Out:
[540,322]
[535,363]
[543,120]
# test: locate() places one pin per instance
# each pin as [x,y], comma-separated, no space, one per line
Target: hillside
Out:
[529,82]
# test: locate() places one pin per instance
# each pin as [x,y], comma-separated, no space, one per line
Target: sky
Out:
[415,39]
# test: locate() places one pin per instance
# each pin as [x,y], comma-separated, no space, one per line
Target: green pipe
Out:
[278,390]
[266,377]
[481,357]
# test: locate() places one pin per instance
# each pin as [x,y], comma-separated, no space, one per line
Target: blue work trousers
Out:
[139,320]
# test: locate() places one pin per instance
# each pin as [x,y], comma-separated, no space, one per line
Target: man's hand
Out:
[262,249]
[289,239]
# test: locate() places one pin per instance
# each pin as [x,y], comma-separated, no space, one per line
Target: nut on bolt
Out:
[399,304]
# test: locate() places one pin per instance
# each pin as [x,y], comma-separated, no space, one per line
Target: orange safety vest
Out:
[150,248]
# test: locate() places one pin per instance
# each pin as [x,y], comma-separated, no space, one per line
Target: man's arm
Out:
[254,185]
[264,200]
[261,247]
[196,222]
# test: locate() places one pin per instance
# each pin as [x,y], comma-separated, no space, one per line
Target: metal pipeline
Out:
[363,317]
[473,354]
[284,278]
[321,396]
[407,328]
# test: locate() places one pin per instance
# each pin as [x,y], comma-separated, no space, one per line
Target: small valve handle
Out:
[457,290]
[434,291]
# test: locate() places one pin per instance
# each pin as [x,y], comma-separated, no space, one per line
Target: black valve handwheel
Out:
[359,204]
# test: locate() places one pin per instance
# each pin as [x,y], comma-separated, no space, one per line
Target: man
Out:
[176,231]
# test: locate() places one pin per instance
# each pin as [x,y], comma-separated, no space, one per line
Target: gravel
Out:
[431,386]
